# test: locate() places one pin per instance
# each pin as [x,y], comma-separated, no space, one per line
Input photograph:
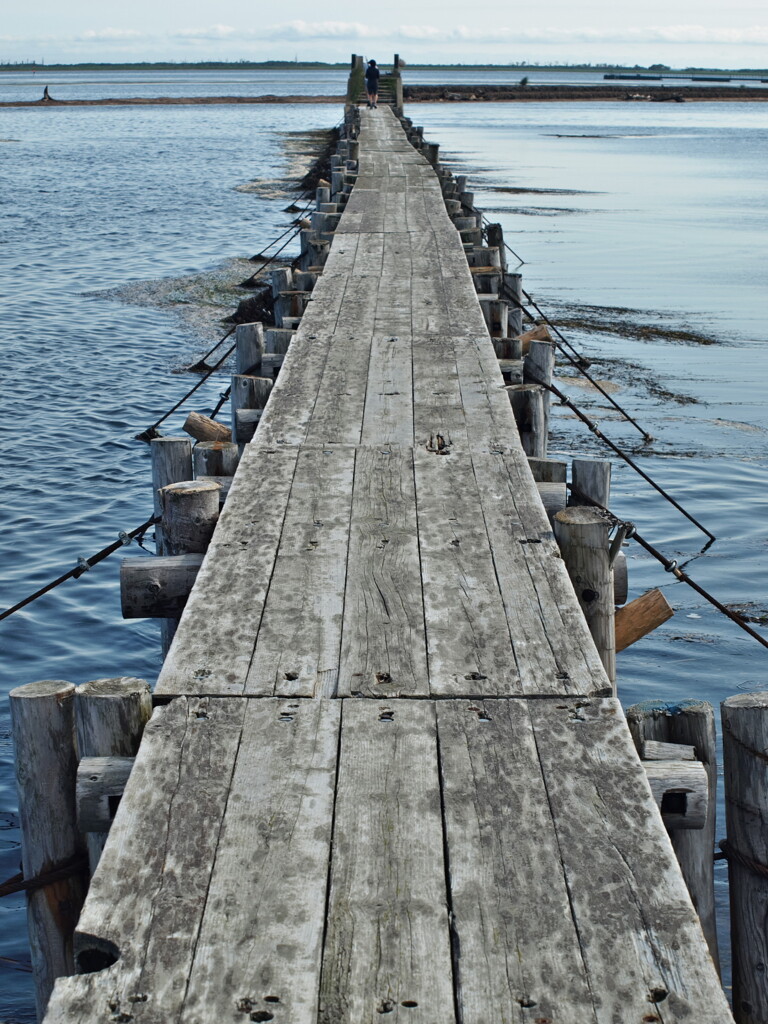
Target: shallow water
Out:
[75,84]
[669,224]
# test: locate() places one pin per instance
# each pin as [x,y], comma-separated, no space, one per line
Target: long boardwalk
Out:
[388,782]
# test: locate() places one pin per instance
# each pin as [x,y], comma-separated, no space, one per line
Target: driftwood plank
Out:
[383,644]
[299,636]
[520,953]
[468,640]
[212,649]
[387,951]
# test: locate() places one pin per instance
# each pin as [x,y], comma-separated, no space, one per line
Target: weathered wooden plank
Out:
[387,951]
[468,639]
[388,414]
[259,948]
[520,953]
[226,826]
[338,412]
[212,650]
[292,402]
[383,643]
[140,923]
[641,940]
[553,648]
[299,636]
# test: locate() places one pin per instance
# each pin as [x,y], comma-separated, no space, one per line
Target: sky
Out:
[679,33]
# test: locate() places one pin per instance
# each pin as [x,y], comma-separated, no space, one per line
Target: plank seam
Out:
[453,937]
[271,576]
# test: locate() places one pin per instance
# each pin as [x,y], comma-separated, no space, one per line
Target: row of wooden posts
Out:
[75,744]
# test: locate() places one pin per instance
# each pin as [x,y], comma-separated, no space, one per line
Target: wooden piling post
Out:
[110,715]
[582,534]
[190,513]
[249,346]
[745,748]
[215,458]
[248,393]
[532,418]
[590,481]
[690,722]
[43,723]
[171,460]
[495,237]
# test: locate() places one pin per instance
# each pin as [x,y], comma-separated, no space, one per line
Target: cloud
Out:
[305,30]
[108,35]
[756,34]
[212,32]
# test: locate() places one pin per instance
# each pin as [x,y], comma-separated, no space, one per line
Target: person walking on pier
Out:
[372,83]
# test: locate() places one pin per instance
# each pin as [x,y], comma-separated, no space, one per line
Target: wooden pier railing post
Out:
[171,459]
[745,743]
[190,512]
[43,722]
[591,481]
[582,534]
[215,458]
[530,412]
[110,715]
[249,346]
[692,723]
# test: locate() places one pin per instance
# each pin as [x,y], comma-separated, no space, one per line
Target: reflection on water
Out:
[671,231]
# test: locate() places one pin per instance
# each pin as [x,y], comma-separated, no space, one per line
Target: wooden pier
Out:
[387,780]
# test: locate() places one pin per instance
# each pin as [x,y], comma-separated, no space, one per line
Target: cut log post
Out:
[640,617]
[540,333]
[530,413]
[101,781]
[496,317]
[590,482]
[513,292]
[681,790]
[277,339]
[539,363]
[745,749]
[689,723]
[171,460]
[582,534]
[215,458]
[249,345]
[281,280]
[190,512]
[495,237]
[203,428]
[43,724]
[248,394]
[509,348]
[322,195]
[110,715]
[484,256]
[553,498]
[157,587]
[548,471]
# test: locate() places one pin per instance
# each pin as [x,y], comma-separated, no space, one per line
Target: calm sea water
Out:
[66,85]
[652,216]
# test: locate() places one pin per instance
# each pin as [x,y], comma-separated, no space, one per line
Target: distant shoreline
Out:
[448,94]
[289,66]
